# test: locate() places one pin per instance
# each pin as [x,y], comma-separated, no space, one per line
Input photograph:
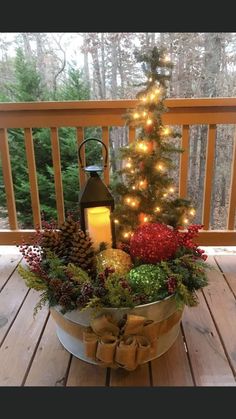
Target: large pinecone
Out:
[71,243]
[82,252]
[51,241]
[68,227]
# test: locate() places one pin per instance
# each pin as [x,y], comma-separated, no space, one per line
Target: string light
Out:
[171,190]
[144,99]
[136,115]
[132,202]
[166,131]
[149,121]
[165,195]
[144,218]
[143,184]
[142,146]
[133,187]
[152,96]
[150,79]
[166,59]
[126,234]
[132,171]
[144,113]
[186,220]
[116,221]
[160,167]
[157,209]
[192,211]
[128,165]
[157,91]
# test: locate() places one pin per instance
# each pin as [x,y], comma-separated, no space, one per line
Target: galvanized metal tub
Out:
[158,311]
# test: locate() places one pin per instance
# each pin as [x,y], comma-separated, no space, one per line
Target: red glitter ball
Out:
[153,242]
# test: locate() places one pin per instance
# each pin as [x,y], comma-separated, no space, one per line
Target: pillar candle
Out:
[99,226]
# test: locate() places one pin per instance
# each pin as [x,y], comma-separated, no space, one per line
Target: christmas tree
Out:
[147,193]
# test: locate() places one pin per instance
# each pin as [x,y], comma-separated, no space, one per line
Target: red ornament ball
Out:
[153,242]
[149,129]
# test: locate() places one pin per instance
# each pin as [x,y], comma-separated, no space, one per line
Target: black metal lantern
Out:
[96,204]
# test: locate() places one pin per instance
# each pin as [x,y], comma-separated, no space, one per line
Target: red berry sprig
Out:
[171,285]
[185,239]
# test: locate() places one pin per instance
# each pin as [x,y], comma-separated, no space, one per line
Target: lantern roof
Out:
[95,192]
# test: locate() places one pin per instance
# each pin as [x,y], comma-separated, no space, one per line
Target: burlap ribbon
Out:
[128,343]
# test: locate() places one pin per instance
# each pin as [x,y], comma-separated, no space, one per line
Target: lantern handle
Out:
[99,141]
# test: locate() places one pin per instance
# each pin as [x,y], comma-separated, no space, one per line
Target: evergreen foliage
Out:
[27,87]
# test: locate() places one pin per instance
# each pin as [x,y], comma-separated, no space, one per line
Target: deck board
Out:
[209,362]
[7,265]
[11,299]
[173,368]
[31,354]
[20,343]
[83,374]
[227,265]
[137,378]
[222,305]
[50,353]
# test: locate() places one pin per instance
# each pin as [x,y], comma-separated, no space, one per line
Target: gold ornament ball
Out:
[114,258]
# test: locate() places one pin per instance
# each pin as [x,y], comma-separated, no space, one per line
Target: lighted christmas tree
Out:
[147,192]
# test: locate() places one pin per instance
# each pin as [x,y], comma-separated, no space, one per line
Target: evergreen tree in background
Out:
[147,192]
[28,87]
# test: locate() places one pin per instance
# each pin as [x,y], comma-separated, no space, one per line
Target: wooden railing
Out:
[184,112]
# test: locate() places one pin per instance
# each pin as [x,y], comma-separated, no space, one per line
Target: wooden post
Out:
[57,175]
[29,148]
[184,160]
[7,176]
[210,160]
[232,199]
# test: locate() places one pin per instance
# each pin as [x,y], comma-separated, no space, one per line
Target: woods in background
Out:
[44,66]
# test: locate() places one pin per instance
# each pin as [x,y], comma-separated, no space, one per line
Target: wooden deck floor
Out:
[203,355]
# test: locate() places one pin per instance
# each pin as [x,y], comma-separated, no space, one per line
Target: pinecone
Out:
[82,252]
[50,240]
[65,301]
[68,228]
[67,289]
[55,285]
[71,244]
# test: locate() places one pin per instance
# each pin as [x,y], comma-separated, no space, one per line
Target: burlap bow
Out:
[127,343]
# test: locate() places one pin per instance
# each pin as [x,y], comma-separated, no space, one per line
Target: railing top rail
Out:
[116,104]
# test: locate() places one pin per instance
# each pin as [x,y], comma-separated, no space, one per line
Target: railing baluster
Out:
[105,139]
[232,199]
[210,160]
[57,175]
[80,138]
[29,148]
[7,176]
[132,133]
[184,160]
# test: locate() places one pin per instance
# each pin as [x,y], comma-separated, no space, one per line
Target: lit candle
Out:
[99,226]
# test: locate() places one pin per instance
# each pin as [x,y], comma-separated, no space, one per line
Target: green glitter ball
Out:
[148,280]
